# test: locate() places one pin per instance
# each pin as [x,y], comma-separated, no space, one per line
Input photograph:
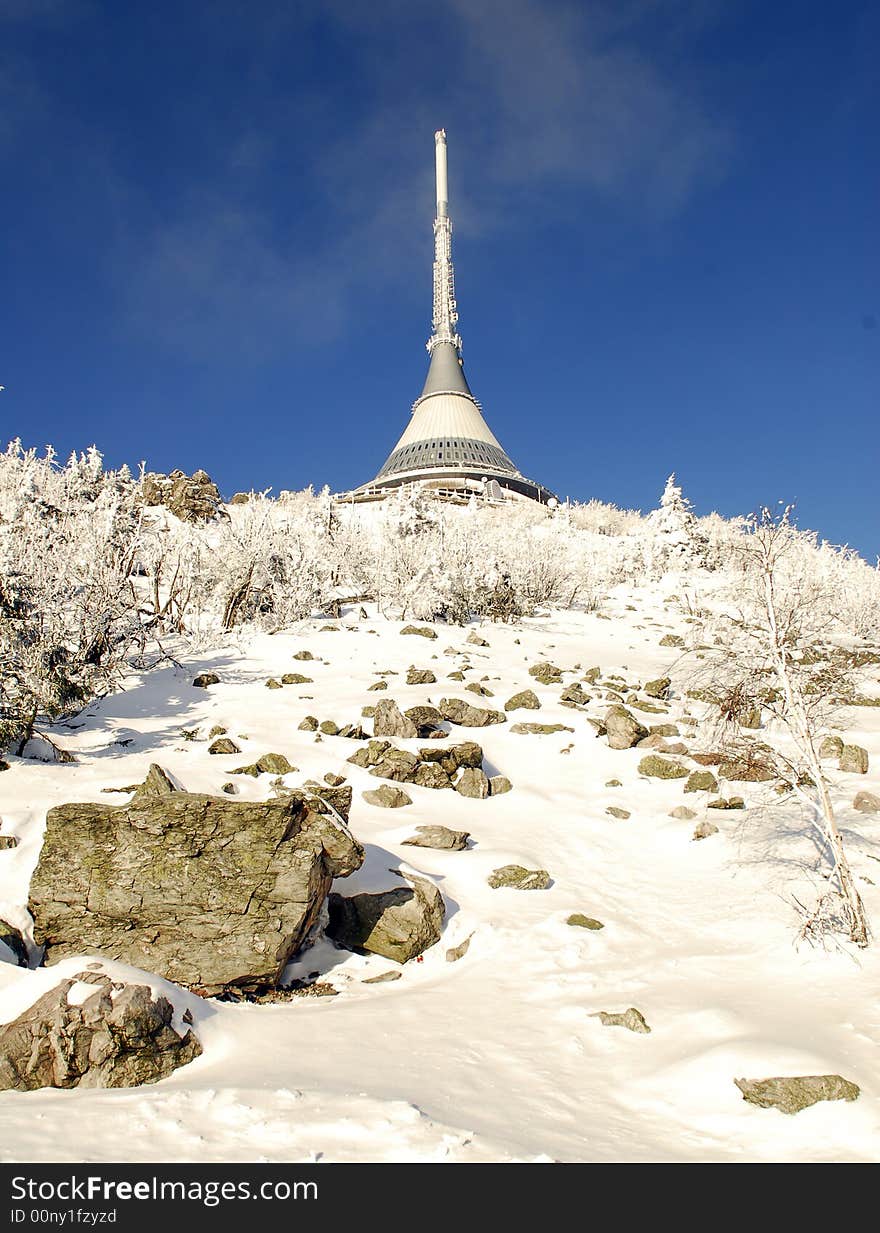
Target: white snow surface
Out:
[496,1057]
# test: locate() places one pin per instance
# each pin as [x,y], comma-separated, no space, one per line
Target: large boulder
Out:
[853,760]
[623,729]
[792,1093]
[118,1035]
[206,891]
[399,924]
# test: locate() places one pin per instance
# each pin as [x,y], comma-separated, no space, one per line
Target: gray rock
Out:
[11,937]
[547,674]
[204,679]
[584,922]
[205,891]
[420,676]
[423,631]
[656,767]
[853,760]
[451,758]
[458,952]
[792,1093]
[530,729]
[426,719]
[387,797]
[399,924]
[517,877]
[383,978]
[525,700]
[866,802]
[705,829]
[439,837]
[830,747]
[224,746]
[430,775]
[632,1019]
[473,783]
[701,781]
[457,711]
[623,729]
[499,784]
[388,721]
[119,1036]
[658,688]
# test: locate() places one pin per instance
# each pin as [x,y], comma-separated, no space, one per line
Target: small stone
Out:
[616,812]
[792,1093]
[387,797]
[547,674]
[664,730]
[439,837]
[733,802]
[230,789]
[523,729]
[272,683]
[217,730]
[705,829]
[296,678]
[658,688]
[516,877]
[303,655]
[382,978]
[476,688]
[458,952]
[7,842]
[682,813]
[853,760]
[672,640]
[613,783]
[309,724]
[378,685]
[475,640]
[224,746]
[329,728]
[423,631]
[584,922]
[864,802]
[662,768]
[632,1019]
[334,781]
[592,675]
[499,784]
[525,700]
[204,679]
[420,676]
[455,676]
[701,781]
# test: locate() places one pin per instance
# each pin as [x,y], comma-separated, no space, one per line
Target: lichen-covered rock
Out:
[117,1036]
[273,684]
[303,655]
[476,687]
[420,676]
[531,729]
[631,1019]
[204,679]
[499,784]
[616,812]
[157,783]
[701,781]
[191,498]
[205,891]
[672,640]
[623,729]
[753,767]
[658,688]
[267,764]
[389,721]
[457,711]
[427,719]
[431,775]
[830,747]
[853,760]
[309,724]
[525,700]
[792,1093]
[387,797]
[574,693]
[662,768]
[664,730]
[440,837]
[517,877]
[547,674]
[377,685]
[329,727]
[732,802]
[223,745]
[579,921]
[399,924]
[473,783]
[296,678]
[423,631]
[866,802]
[7,842]
[705,829]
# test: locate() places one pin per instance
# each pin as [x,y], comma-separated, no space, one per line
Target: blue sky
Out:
[216,239]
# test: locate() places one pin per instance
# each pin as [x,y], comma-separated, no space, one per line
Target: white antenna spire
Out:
[445,316]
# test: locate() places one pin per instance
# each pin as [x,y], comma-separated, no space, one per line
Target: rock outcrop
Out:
[205,891]
[792,1093]
[191,498]
[119,1035]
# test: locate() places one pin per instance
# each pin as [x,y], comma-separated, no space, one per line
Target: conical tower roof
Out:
[447,443]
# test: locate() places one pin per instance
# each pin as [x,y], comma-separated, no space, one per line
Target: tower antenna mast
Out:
[445,316]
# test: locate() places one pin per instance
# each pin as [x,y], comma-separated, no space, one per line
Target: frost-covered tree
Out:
[675,538]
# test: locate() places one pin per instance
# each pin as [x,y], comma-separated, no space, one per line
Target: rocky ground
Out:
[543,921]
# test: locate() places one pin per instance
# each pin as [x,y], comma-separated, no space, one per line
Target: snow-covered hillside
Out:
[497,1056]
